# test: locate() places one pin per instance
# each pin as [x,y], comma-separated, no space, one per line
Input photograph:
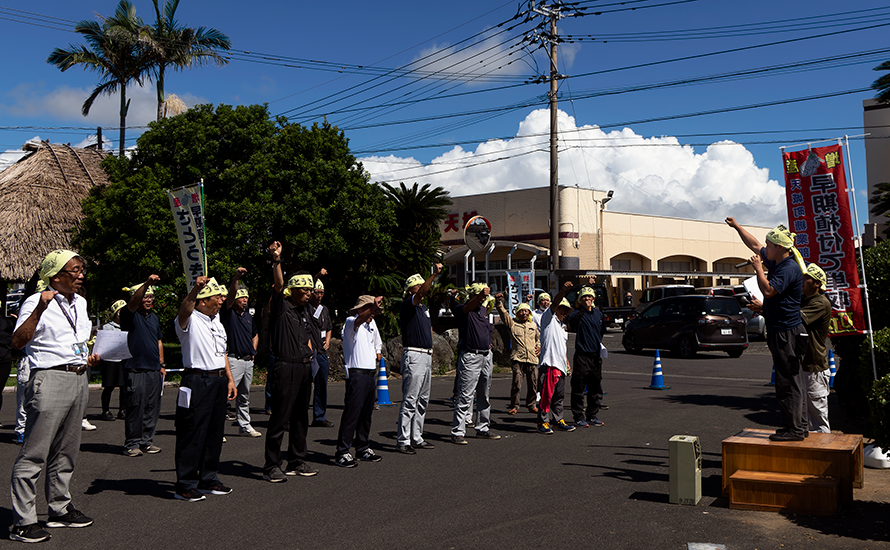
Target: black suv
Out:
[688,324]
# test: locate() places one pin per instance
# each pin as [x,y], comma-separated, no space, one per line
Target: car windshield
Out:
[720,307]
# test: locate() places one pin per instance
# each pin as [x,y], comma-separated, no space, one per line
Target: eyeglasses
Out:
[76,272]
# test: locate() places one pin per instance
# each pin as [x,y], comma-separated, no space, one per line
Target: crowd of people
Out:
[219,338]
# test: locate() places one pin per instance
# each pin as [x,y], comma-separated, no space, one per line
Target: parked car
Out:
[688,324]
[659,292]
[715,291]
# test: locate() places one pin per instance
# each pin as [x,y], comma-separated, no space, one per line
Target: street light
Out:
[602,204]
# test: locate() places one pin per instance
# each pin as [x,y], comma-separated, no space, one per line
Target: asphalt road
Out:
[593,488]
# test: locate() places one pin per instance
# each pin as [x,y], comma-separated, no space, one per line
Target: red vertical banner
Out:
[819,213]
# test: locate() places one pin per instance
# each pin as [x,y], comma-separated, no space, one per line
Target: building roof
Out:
[40,198]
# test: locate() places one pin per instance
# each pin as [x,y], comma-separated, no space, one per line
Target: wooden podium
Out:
[791,476]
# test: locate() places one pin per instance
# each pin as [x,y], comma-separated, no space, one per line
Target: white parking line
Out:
[684,376]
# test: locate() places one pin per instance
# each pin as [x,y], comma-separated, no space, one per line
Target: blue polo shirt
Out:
[415,324]
[143,332]
[782,311]
[589,329]
[473,327]
[240,330]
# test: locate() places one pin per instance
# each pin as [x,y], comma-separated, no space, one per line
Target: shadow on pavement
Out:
[146,487]
[863,520]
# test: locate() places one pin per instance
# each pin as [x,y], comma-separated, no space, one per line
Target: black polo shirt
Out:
[415,324]
[292,330]
[473,327]
[321,319]
[782,312]
[589,329]
[240,330]
[143,333]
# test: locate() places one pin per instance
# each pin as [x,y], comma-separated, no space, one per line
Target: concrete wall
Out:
[876,121]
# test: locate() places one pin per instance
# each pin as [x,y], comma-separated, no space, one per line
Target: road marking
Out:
[685,376]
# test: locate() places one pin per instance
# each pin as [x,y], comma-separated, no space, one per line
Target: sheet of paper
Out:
[604,353]
[111,345]
[184,399]
[752,288]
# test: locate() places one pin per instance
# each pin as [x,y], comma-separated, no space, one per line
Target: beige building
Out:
[876,121]
[634,250]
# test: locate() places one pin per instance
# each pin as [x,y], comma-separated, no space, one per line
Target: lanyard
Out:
[67,316]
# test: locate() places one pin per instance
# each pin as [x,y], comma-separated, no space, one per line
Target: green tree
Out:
[882,85]
[180,47]
[116,51]
[419,210]
[880,200]
[263,181]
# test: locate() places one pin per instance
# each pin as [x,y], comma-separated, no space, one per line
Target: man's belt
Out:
[241,357]
[369,372]
[79,369]
[478,351]
[302,360]
[420,350]
[202,372]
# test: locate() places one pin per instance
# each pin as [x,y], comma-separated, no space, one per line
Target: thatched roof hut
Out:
[40,199]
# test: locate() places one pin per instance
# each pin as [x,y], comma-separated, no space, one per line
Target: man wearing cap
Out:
[242,336]
[206,385]
[292,333]
[144,371]
[554,363]
[360,338]
[113,371]
[474,365]
[417,360]
[52,329]
[587,372]
[786,335]
[322,319]
[526,345]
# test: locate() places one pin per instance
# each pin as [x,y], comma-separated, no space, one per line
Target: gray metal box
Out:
[685,469]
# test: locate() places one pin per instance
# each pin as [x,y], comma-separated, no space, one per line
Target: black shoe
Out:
[322,424]
[275,476]
[215,489]
[107,416]
[406,449]
[28,533]
[301,469]
[785,436]
[121,415]
[72,518]
[488,435]
[458,440]
[190,495]
[368,455]
[346,461]
[423,445]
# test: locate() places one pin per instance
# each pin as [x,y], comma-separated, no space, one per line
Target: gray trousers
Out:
[54,404]
[474,376]
[817,401]
[242,374]
[143,390]
[416,378]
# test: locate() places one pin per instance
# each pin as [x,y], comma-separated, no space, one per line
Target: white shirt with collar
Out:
[203,342]
[360,346]
[56,342]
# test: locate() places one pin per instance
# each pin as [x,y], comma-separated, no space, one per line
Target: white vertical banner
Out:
[187,206]
[518,288]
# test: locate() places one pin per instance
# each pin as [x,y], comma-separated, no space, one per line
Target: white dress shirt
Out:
[360,346]
[203,342]
[56,342]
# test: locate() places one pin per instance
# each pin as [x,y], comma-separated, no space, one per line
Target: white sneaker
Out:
[86,426]
[249,432]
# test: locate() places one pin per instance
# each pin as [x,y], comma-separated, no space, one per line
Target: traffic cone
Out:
[772,378]
[832,369]
[657,378]
[382,386]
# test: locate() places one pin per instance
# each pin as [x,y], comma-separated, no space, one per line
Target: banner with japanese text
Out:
[187,207]
[819,213]
[519,286]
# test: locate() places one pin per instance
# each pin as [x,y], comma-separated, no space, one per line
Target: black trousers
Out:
[355,424]
[143,402]
[588,372]
[199,431]
[788,348]
[291,389]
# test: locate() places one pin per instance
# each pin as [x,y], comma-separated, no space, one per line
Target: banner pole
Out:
[203,226]
[863,282]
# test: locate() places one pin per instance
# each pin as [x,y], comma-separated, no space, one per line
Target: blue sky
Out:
[650,172]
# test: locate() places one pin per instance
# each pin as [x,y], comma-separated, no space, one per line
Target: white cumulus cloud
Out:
[650,175]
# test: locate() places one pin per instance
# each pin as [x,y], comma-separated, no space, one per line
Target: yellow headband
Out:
[475,288]
[115,307]
[565,303]
[413,280]
[781,236]
[298,281]
[133,289]
[543,296]
[53,263]
[522,307]
[319,285]
[585,291]
[241,293]
[818,275]
[212,288]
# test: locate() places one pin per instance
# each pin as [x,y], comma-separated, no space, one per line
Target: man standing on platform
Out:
[291,324]
[786,335]
[144,371]
[242,335]
[587,372]
[52,331]
[417,360]
[815,309]
[205,386]
[322,319]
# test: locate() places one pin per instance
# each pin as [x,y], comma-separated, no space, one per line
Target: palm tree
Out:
[182,47]
[882,84]
[116,51]
[418,210]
